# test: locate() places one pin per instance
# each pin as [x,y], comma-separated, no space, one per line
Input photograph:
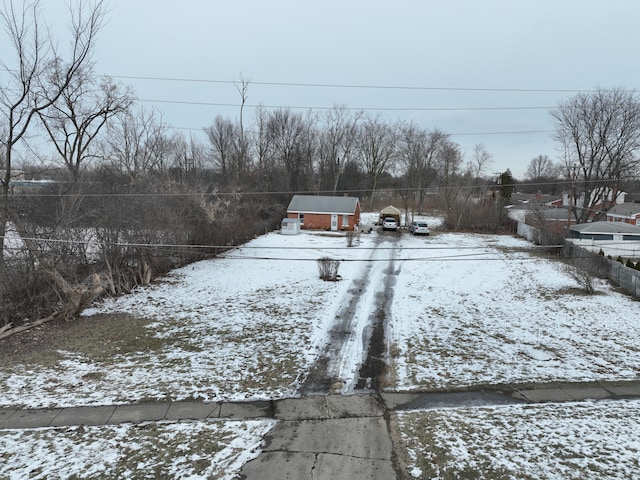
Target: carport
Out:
[390,211]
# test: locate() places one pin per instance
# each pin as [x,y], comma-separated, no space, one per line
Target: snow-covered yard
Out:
[246,326]
[466,310]
[578,441]
[484,310]
[195,450]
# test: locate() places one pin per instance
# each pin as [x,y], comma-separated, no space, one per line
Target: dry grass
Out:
[98,337]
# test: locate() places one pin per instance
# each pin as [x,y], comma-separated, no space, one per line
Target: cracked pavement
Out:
[327,437]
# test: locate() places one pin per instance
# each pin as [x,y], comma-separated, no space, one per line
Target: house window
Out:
[301,218]
[345,220]
[596,236]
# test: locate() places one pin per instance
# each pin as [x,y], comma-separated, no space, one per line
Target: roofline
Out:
[321,213]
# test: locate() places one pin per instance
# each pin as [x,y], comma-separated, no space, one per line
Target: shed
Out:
[390,211]
[290,226]
[317,212]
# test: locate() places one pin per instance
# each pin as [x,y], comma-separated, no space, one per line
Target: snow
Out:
[492,312]
[582,441]
[464,310]
[148,450]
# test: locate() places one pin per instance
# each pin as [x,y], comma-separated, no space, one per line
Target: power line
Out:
[351,86]
[180,248]
[381,109]
[455,134]
[251,247]
[430,191]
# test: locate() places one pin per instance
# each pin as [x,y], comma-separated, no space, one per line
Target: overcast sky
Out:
[480,69]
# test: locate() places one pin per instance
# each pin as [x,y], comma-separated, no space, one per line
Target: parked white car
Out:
[390,223]
[419,228]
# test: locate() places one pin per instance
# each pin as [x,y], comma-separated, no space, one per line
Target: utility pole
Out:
[571,194]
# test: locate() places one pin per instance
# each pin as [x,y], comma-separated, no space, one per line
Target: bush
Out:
[352,238]
[328,269]
[585,268]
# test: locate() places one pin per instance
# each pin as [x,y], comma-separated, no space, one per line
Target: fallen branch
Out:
[5,328]
[7,331]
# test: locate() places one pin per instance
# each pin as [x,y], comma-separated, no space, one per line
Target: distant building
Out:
[316,212]
[613,238]
[625,212]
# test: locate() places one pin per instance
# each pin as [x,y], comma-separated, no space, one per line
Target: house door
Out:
[334,221]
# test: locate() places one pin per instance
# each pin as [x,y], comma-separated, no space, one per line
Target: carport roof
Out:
[390,210]
[322,204]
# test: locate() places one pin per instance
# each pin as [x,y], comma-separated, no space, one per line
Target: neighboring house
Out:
[625,212]
[612,199]
[317,212]
[613,238]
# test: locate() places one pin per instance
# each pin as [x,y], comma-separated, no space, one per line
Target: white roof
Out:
[606,227]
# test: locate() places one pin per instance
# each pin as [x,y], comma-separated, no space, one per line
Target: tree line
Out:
[131,198]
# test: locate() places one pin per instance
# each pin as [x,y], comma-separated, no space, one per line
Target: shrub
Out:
[328,269]
[352,238]
[584,268]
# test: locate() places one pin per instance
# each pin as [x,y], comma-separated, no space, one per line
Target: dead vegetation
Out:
[328,269]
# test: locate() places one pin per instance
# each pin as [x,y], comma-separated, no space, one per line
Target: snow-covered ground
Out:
[577,441]
[466,310]
[189,450]
[480,310]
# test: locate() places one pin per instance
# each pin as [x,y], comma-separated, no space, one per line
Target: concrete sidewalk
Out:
[314,407]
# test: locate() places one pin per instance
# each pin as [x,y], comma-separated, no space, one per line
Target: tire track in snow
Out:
[355,345]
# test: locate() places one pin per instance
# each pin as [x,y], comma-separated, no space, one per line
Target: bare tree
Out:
[540,167]
[480,160]
[82,110]
[585,268]
[417,151]
[262,146]
[138,142]
[291,138]
[336,144]
[37,77]
[187,157]
[229,150]
[242,160]
[376,150]
[222,137]
[474,188]
[448,163]
[599,134]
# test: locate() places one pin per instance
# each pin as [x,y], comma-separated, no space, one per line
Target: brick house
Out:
[317,212]
[625,212]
